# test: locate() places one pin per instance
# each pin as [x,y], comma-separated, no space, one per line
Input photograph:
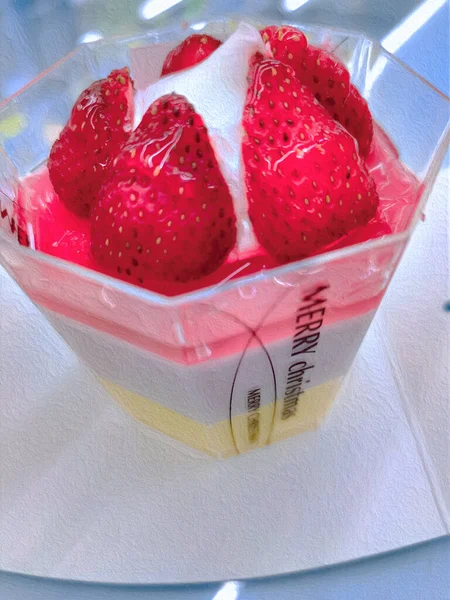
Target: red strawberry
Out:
[193,50]
[329,81]
[100,122]
[15,224]
[306,184]
[375,228]
[326,77]
[167,212]
[356,118]
[287,44]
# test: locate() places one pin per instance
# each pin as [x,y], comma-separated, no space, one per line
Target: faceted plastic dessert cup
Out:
[252,360]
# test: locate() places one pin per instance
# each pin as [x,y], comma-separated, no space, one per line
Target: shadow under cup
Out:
[243,364]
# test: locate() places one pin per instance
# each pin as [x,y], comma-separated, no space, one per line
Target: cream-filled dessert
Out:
[246,154]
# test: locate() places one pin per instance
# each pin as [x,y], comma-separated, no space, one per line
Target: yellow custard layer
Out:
[257,428]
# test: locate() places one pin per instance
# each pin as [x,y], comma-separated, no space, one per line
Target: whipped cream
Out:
[217,88]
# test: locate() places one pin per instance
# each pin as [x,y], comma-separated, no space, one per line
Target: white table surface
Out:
[85,492]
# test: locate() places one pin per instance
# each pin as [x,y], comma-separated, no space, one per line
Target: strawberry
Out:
[16,224]
[329,81]
[190,52]
[375,228]
[166,213]
[287,44]
[100,122]
[306,184]
[326,77]
[355,116]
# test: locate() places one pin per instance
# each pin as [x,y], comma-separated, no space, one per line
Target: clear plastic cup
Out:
[253,360]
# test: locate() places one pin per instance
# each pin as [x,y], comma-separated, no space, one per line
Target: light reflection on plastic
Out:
[52,131]
[400,35]
[229,591]
[90,36]
[198,26]
[291,5]
[411,25]
[374,73]
[152,8]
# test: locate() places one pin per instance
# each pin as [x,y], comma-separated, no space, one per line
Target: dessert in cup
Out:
[214,227]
